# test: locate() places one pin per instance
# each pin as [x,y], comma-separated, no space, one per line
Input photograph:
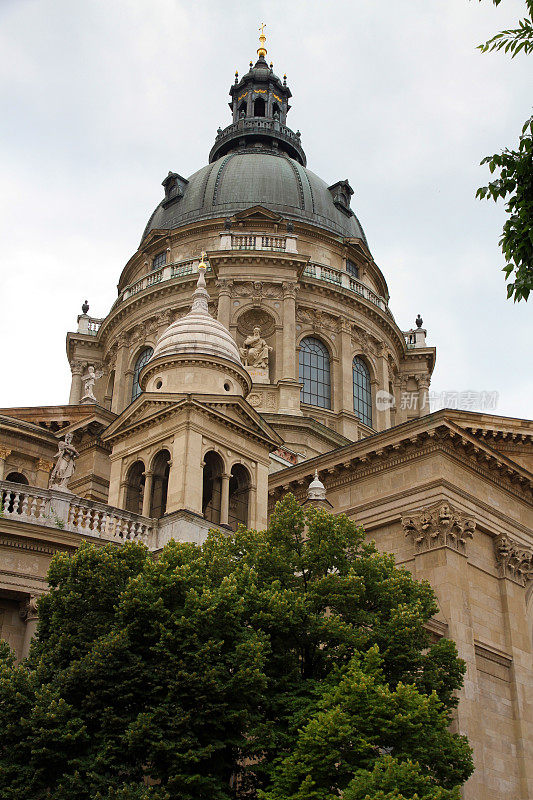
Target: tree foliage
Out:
[515,180]
[290,663]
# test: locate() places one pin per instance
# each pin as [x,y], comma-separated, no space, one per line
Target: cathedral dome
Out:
[256,175]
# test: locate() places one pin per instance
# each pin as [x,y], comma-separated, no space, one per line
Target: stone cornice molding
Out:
[514,560]
[396,446]
[439,525]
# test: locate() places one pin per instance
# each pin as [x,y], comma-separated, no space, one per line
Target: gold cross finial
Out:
[202,264]
[262,51]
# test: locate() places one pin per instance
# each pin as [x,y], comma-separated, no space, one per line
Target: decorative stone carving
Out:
[89,379]
[257,291]
[28,609]
[255,399]
[254,354]
[4,453]
[514,560]
[256,317]
[65,466]
[77,367]
[439,526]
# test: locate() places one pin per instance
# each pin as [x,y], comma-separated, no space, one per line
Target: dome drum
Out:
[189,373]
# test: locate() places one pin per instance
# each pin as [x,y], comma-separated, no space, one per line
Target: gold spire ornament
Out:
[262,51]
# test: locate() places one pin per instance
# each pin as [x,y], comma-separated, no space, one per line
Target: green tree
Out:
[515,175]
[287,663]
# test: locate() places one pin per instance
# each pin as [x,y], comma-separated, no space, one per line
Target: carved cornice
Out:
[439,525]
[514,560]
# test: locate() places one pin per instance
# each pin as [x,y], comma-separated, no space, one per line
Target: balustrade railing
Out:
[54,509]
[321,272]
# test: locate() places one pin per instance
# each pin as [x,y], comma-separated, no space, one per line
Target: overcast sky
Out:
[101,98]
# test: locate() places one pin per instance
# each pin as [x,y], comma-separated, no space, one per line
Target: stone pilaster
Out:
[28,613]
[440,535]
[423,395]
[515,567]
[224,301]
[43,471]
[76,368]
[224,498]
[4,455]
[289,385]
[121,384]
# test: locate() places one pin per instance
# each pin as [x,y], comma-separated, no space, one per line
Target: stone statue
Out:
[89,379]
[255,351]
[64,466]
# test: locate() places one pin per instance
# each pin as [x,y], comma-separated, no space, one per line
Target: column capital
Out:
[439,525]
[28,608]
[77,367]
[289,289]
[514,560]
[4,453]
[44,465]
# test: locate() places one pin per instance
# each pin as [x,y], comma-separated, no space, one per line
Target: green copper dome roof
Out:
[254,176]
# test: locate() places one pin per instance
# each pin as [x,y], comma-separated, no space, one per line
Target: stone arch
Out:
[17,477]
[240,484]
[213,469]
[160,469]
[134,487]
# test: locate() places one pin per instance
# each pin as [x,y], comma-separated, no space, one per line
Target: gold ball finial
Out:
[202,264]
[262,51]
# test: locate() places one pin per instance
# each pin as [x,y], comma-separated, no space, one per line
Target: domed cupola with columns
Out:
[299,321]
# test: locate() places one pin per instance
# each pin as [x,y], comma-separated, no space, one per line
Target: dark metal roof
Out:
[256,176]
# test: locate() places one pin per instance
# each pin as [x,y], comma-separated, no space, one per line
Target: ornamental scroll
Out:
[439,526]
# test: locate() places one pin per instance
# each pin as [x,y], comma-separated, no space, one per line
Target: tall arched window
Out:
[314,373]
[143,358]
[362,393]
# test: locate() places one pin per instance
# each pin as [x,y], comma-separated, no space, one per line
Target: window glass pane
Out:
[352,269]
[362,393]
[143,359]
[159,260]
[314,373]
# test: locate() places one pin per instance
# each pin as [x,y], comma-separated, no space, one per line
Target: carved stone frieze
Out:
[439,525]
[319,320]
[253,318]
[257,290]
[514,560]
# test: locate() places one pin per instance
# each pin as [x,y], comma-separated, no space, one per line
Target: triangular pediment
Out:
[147,408]
[257,214]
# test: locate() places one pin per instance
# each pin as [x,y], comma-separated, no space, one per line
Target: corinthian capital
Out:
[4,453]
[514,560]
[439,525]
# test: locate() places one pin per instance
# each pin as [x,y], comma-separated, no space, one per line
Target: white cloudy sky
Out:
[100,98]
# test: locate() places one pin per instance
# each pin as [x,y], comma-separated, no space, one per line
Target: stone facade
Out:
[174,442]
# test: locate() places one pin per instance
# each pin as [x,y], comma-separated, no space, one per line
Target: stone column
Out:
[440,535]
[289,395]
[4,454]
[121,385]
[252,502]
[75,387]
[224,301]
[123,494]
[147,496]
[224,498]
[515,566]
[423,396]
[383,413]
[346,388]
[28,612]
[43,473]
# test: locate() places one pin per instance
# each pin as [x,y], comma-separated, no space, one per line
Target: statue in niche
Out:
[255,351]
[64,466]
[89,379]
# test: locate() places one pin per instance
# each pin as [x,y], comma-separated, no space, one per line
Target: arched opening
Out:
[142,359]
[362,392]
[239,496]
[160,470]
[12,501]
[275,111]
[314,372]
[135,488]
[17,477]
[212,486]
[259,107]
[242,110]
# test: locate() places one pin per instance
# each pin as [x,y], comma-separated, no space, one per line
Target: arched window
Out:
[314,373]
[239,496]
[362,393]
[135,488]
[17,477]
[143,358]
[161,471]
[259,107]
[212,486]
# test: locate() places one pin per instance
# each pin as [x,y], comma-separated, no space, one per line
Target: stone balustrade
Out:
[64,511]
[337,277]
